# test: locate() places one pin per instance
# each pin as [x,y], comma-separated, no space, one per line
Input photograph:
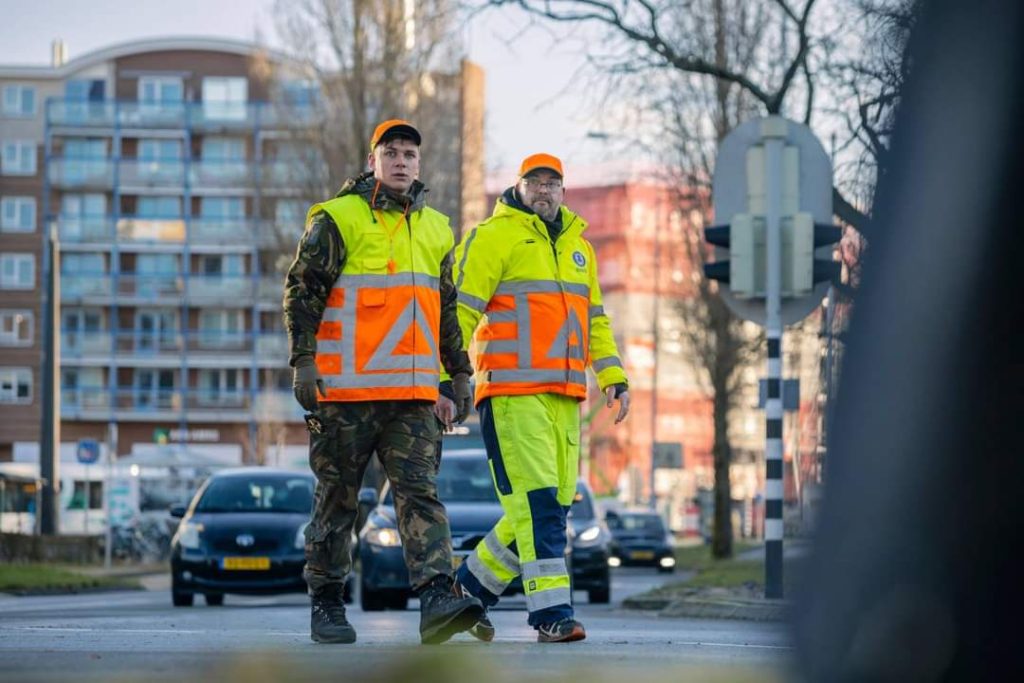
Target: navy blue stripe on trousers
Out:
[501,480]
[549,521]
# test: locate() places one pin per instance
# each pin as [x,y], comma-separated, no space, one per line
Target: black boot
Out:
[327,623]
[443,614]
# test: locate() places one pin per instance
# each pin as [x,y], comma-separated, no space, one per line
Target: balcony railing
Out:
[129,344]
[217,173]
[81,173]
[259,404]
[201,115]
[198,230]
[169,173]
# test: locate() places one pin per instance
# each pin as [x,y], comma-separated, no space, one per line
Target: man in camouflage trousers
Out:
[371,286]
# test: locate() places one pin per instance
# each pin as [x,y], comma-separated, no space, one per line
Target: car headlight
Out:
[300,537]
[188,535]
[385,537]
[588,535]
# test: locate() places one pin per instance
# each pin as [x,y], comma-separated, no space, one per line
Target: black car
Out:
[640,538]
[242,533]
[465,487]
[591,547]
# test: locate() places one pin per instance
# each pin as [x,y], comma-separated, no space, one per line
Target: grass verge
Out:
[36,578]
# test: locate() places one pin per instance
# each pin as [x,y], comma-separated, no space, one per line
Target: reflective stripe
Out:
[502,316]
[385,280]
[501,552]
[561,346]
[391,379]
[525,332]
[485,576]
[605,363]
[502,346]
[474,302]
[384,356]
[462,263]
[550,567]
[549,598]
[596,311]
[543,287]
[539,376]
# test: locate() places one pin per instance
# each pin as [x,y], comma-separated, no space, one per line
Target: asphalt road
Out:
[138,635]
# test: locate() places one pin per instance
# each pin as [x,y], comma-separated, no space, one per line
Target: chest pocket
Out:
[374,296]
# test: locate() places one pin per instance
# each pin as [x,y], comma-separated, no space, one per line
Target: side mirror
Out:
[177,511]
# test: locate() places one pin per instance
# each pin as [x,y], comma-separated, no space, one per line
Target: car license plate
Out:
[641,555]
[246,563]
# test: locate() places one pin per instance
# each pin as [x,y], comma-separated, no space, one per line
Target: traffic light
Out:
[742,253]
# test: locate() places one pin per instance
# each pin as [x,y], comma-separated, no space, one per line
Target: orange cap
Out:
[538,161]
[395,126]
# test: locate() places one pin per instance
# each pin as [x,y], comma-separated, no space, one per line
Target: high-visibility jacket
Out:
[533,308]
[378,338]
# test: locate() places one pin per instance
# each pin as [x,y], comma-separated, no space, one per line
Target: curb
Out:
[705,608]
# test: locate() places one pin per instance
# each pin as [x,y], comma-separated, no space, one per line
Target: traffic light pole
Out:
[773,174]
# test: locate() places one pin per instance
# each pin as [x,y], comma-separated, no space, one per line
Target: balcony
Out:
[136,404]
[72,173]
[151,174]
[79,114]
[133,229]
[151,114]
[85,229]
[231,231]
[207,289]
[76,345]
[221,174]
[151,288]
[206,116]
[78,287]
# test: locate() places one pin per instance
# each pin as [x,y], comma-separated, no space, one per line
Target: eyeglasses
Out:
[550,185]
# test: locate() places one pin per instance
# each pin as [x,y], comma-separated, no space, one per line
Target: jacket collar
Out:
[383,199]
[509,205]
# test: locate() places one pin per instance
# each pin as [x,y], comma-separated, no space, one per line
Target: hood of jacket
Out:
[382,198]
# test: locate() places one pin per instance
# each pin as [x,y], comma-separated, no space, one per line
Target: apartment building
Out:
[170,171]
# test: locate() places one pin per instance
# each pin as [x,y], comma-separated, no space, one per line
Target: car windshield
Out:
[462,480]
[257,494]
[649,524]
[582,507]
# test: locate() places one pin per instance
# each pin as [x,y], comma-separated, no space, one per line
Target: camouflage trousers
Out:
[405,436]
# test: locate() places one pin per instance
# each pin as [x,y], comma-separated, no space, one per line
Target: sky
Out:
[536,99]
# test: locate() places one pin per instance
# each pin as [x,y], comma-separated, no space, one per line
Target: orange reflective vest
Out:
[533,308]
[378,338]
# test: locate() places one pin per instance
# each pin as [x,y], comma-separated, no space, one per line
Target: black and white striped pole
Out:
[774,138]
[773,200]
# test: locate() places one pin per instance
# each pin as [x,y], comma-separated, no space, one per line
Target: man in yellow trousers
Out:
[529,295]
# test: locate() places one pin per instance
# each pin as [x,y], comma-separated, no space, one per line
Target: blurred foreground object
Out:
[912,577]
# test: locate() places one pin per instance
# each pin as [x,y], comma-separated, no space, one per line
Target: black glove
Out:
[463,396]
[306,383]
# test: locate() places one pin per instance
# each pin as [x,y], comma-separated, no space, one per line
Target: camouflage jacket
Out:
[320,258]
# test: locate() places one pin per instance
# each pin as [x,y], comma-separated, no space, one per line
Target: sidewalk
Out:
[742,602]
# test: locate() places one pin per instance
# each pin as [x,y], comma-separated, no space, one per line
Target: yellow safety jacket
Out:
[533,307]
[378,338]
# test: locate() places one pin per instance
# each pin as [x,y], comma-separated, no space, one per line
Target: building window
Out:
[221,265]
[78,90]
[19,157]
[17,271]
[222,207]
[221,329]
[154,389]
[19,100]
[158,207]
[224,98]
[155,149]
[220,387]
[160,89]
[15,385]
[91,491]
[16,328]
[18,214]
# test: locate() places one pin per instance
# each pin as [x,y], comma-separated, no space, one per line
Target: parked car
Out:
[640,538]
[465,487]
[591,547]
[241,533]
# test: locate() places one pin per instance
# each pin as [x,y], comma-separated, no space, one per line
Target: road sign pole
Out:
[774,132]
